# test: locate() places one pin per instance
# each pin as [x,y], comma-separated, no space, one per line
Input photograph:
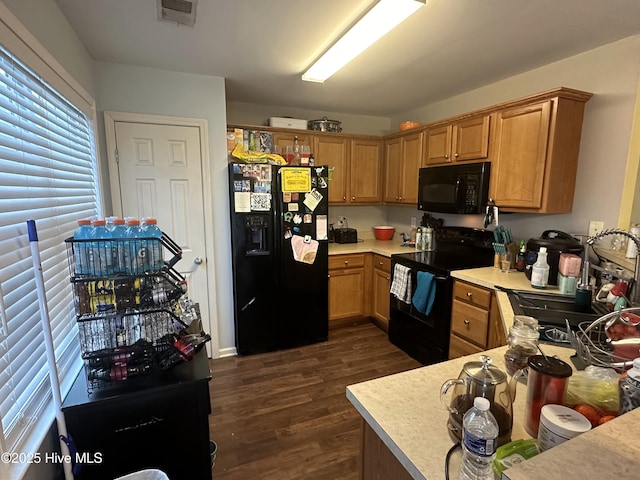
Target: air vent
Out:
[182,12]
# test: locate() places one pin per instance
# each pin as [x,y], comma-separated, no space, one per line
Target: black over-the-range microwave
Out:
[460,189]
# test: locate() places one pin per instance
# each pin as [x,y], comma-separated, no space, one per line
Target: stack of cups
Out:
[632,249]
[568,273]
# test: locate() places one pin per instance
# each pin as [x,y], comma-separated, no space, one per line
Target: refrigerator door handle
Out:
[248,304]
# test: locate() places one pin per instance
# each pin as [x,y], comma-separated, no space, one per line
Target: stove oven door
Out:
[425,338]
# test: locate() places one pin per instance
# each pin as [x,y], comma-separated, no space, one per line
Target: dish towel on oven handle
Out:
[425,293]
[401,285]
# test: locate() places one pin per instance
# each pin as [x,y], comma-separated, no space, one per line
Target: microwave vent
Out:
[182,12]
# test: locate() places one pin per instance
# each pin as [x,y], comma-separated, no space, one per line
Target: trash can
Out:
[149,474]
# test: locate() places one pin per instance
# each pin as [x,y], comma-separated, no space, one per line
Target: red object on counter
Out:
[546,384]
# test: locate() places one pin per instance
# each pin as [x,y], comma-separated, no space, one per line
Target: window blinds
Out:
[48,174]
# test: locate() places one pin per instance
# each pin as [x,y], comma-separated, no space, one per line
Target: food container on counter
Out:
[559,424]
[383,232]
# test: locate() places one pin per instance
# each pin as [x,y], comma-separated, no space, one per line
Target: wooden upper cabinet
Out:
[334,152]
[403,157]
[284,139]
[392,168]
[534,154]
[464,140]
[438,145]
[365,171]
[522,136]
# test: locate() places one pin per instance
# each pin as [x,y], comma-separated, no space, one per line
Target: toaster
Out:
[345,235]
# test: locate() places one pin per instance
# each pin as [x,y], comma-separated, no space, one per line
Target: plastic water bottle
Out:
[119,234]
[479,441]
[154,252]
[540,270]
[100,249]
[135,248]
[80,249]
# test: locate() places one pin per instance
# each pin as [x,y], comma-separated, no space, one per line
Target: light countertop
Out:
[406,413]
[385,248]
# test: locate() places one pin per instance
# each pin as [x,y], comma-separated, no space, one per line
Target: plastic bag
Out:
[595,386]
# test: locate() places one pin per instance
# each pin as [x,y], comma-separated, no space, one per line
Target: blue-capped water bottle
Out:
[154,243]
[479,441]
[80,248]
[100,249]
[119,234]
[135,248]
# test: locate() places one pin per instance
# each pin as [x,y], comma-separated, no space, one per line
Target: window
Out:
[48,174]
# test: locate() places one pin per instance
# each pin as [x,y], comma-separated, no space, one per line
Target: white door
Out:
[160,174]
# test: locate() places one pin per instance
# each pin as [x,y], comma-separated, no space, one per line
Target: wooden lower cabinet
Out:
[346,287]
[476,324]
[380,291]
[359,289]
[377,462]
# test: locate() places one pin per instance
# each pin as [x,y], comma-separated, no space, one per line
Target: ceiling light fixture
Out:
[383,17]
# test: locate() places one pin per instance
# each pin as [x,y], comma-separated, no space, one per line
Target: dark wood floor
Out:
[284,415]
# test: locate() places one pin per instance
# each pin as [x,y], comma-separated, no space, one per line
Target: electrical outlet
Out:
[595,227]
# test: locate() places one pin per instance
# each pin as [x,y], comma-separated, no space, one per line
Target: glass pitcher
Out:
[479,379]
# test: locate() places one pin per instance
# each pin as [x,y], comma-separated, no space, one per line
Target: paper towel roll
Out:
[632,249]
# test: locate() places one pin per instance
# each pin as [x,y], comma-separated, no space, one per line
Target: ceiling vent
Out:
[182,12]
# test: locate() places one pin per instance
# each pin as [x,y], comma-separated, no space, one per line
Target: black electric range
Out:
[426,336]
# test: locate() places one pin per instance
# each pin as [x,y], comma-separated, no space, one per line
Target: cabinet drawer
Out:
[346,261]
[470,322]
[382,263]
[459,347]
[478,296]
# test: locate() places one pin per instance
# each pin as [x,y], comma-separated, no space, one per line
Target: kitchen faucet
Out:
[635,297]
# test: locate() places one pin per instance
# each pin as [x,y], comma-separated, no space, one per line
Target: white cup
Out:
[603,293]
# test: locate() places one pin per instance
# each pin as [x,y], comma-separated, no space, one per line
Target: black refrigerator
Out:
[279,238]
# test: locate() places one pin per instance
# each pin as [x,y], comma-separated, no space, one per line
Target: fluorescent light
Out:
[383,17]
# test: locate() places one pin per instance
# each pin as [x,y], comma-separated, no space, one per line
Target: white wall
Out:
[252,114]
[126,88]
[611,73]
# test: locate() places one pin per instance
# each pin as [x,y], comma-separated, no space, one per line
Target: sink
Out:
[552,309]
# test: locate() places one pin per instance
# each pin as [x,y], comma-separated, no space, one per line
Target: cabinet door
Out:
[471,139]
[284,139]
[438,145]
[412,149]
[470,323]
[518,166]
[381,286]
[460,348]
[365,171]
[392,170]
[346,293]
[332,151]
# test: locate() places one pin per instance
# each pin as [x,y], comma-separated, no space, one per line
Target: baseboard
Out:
[227,352]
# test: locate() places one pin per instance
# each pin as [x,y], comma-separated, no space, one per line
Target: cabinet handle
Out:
[344,198]
[455,155]
[467,322]
[353,198]
[380,263]
[469,294]
[346,262]
[400,198]
[388,278]
[446,157]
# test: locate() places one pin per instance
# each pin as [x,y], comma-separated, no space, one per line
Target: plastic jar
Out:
[523,342]
[559,424]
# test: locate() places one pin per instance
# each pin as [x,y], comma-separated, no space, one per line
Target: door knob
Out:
[197,260]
